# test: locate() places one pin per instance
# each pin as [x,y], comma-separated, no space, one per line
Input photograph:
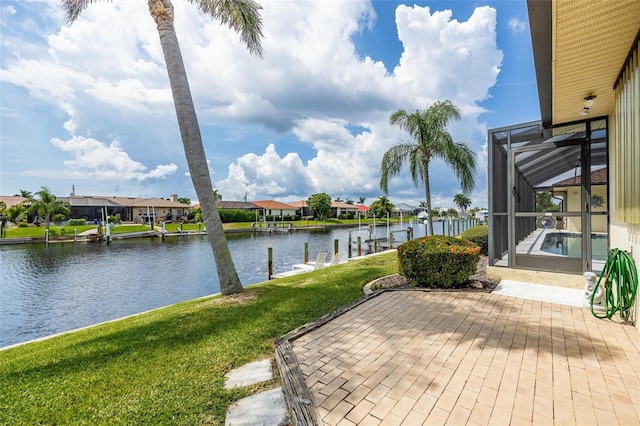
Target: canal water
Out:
[50,289]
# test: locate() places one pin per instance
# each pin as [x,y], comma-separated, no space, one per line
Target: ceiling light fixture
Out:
[588,103]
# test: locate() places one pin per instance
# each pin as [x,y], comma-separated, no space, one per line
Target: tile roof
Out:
[598,177]
[12,200]
[341,205]
[298,204]
[272,204]
[240,205]
[114,201]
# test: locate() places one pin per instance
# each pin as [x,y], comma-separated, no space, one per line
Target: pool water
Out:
[570,244]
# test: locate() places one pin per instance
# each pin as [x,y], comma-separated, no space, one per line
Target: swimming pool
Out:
[570,244]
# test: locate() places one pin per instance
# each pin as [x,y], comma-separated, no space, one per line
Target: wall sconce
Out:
[588,103]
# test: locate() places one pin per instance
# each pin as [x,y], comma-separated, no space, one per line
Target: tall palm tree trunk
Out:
[162,13]
[427,191]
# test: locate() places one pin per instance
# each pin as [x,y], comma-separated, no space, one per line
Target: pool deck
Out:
[435,358]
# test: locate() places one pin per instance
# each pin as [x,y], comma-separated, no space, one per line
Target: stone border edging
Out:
[296,392]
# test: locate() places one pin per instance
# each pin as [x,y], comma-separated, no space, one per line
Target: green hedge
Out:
[77,222]
[237,215]
[480,236]
[438,261]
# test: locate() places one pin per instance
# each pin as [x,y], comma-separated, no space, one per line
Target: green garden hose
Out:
[620,285]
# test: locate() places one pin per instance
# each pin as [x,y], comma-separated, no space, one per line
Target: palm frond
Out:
[243,16]
[441,114]
[463,162]
[73,8]
[417,161]
[392,162]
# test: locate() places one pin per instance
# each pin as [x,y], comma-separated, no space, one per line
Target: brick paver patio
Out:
[413,358]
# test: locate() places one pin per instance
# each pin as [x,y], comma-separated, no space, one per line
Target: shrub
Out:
[77,222]
[237,215]
[58,218]
[480,236]
[23,224]
[114,219]
[347,215]
[438,261]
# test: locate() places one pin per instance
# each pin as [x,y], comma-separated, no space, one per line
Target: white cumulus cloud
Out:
[95,159]
[517,26]
[311,116]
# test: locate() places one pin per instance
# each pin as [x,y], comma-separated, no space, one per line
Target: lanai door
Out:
[558,220]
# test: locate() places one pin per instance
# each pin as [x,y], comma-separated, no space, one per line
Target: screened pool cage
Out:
[542,214]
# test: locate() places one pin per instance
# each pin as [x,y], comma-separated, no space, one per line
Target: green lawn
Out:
[125,229]
[67,231]
[168,366]
[173,227]
[39,231]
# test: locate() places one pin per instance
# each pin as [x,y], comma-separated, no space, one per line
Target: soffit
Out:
[591,40]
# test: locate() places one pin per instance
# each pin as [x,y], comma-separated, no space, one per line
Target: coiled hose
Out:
[620,280]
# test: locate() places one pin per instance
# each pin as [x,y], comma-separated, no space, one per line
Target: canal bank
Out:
[51,288]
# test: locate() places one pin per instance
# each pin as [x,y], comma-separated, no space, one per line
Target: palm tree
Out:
[217,196]
[361,200]
[15,213]
[462,201]
[243,16]
[45,204]
[430,140]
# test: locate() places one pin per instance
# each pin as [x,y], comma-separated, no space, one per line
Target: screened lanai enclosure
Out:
[548,196]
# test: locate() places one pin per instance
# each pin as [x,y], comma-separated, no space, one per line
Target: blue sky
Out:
[89,106]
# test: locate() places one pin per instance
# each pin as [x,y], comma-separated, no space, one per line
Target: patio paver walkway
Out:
[412,358]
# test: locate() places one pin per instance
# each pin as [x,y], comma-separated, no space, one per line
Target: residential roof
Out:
[403,207]
[90,201]
[12,200]
[598,177]
[107,201]
[239,205]
[272,204]
[156,202]
[362,208]
[341,205]
[298,204]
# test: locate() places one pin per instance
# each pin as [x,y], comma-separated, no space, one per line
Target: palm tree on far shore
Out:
[243,16]
[462,201]
[431,140]
[24,193]
[45,205]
